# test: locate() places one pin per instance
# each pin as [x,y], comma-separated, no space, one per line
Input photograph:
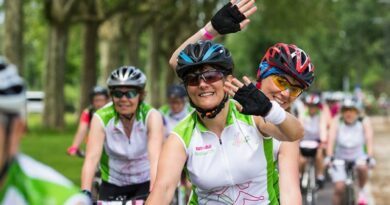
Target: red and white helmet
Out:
[292,60]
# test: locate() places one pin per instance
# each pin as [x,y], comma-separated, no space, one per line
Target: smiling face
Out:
[208,92]
[125,100]
[274,92]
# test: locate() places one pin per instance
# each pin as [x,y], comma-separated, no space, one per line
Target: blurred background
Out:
[64,47]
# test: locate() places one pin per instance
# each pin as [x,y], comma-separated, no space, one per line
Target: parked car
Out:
[35,102]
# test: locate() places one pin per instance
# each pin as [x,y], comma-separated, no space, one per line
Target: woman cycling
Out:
[99,97]
[282,77]
[349,135]
[24,180]
[314,122]
[222,149]
[126,137]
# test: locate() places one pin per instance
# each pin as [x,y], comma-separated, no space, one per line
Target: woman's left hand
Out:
[252,100]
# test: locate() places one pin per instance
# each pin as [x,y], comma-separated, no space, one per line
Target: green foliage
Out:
[35,36]
[50,146]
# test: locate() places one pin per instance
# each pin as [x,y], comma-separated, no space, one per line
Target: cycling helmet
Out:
[201,53]
[350,103]
[127,76]
[176,91]
[99,90]
[12,89]
[312,99]
[292,60]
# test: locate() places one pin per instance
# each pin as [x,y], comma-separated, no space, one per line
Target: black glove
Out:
[227,19]
[253,101]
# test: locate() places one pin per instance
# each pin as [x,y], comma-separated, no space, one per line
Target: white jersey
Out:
[350,141]
[311,125]
[124,160]
[236,168]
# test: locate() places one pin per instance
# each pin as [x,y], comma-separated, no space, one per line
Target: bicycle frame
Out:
[308,182]
[349,194]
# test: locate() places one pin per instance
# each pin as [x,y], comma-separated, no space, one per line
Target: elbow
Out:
[173,63]
[297,135]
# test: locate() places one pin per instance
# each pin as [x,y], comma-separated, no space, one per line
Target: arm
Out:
[82,131]
[155,139]
[288,162]
[94,152]
[270,118]
[246,7]
[332,137]
[290,129]
[170,166]
[323,127]
[369,135]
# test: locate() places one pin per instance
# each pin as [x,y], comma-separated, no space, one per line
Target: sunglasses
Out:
[208,77]
[129,94]
[283,84]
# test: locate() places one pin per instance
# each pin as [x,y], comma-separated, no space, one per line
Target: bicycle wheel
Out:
[350,195]
[309,196]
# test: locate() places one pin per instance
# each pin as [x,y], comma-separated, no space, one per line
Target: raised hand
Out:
[233,16]
[252,100]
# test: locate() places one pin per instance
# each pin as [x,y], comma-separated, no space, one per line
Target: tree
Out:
[57,14]
[13,35]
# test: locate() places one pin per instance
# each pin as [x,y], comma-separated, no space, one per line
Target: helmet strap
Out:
[210,113]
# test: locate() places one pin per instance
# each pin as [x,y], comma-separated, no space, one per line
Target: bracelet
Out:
[87,192]
[206,34]
[276,115]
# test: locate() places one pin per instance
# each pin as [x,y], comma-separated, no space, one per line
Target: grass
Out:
[49,147]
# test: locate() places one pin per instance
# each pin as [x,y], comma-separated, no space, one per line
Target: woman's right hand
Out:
[232,17]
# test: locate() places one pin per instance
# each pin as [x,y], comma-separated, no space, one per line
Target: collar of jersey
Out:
[229,118]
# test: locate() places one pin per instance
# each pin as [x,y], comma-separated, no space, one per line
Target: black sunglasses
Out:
[129,94]
[193,79]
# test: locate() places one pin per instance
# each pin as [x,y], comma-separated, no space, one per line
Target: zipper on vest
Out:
[220,141]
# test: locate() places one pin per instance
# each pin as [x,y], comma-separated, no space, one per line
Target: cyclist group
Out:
[235,140]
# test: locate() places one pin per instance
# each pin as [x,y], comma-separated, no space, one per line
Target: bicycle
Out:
[308,149]
[350,186]
[122,200]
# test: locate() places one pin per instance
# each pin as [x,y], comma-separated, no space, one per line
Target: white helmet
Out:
[127,76]
[12,89]
[350,103]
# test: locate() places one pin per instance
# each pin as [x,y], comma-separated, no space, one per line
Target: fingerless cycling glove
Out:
[253,101]
[227,19]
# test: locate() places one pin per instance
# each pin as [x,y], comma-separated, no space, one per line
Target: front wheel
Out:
[350,195]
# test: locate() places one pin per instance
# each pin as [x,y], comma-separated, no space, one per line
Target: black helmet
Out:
[127,76]
[176,91]
[201,53]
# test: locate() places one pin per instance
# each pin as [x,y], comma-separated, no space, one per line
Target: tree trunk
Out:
[153,67]
[110,46]
[53,115]
[137,26]
[89,68]
[13,35]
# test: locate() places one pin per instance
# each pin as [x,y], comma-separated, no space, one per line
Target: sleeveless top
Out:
[236,168]
[124,160]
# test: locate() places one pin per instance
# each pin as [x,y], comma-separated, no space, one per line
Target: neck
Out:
[216,124]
